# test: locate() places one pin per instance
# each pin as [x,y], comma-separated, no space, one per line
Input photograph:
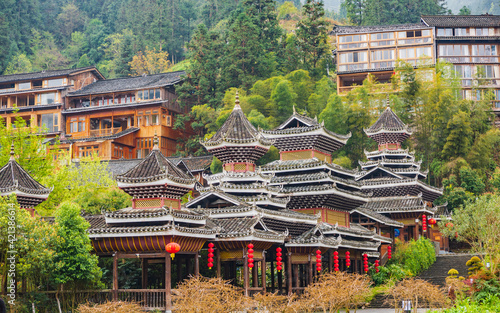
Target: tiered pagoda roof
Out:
[15,180]
[389,128]
[300,132]
[155,176]
[237,140]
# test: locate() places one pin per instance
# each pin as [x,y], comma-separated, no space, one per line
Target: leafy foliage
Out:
[415,256]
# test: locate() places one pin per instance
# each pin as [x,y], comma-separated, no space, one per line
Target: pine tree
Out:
[263,15]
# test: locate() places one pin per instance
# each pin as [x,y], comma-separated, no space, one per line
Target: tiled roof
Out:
[389,121]
[196,164]
[377,217]
[154,167]
[461,20]
[372,29]
[394,203]
[237,126]
[121,166]
[46,74]
[130,83]
[14,177]
[298,120]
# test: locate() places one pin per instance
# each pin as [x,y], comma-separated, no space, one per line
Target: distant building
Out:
[470,42]
[363,50]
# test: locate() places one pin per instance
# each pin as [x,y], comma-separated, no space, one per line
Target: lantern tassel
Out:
[172,255]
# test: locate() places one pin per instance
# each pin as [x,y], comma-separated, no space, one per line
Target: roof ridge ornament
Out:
[236,101]
[293,107]
[12,152]
[156,142]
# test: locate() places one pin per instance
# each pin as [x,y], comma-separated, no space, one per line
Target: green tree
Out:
[263,15]
[287,11]
[355,10]
[458,142]
[312,36]
[283,99]
[19,64]
[317,101]
[75,266]
[70,19]
[464,11]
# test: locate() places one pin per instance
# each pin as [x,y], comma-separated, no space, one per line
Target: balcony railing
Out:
[105,132]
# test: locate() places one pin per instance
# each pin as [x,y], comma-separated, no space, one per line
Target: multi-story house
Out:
[364,50]
[471,43]
[38,98]
[118,118]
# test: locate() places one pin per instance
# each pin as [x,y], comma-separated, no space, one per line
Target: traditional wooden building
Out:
[470,43]
[363,50]
[15,180]
[117,118]
[38,98]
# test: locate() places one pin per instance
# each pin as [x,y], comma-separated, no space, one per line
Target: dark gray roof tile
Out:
[462,20]
[45,74]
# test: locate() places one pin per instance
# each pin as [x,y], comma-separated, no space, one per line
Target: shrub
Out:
[208,295]
[474,265]
[390,273]
[453,273]
[110,307]
[420,292]
[490,305]
[415,256]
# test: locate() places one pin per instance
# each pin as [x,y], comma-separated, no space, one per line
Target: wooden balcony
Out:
[105,132]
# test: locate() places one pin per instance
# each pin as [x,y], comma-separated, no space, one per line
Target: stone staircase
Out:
[438,272]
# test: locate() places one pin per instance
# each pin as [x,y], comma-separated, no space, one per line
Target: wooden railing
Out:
[105,132]
[147,298]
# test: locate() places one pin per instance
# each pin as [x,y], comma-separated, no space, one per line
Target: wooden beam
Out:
[263,271]
[115,277]
[168,284]
[288,273]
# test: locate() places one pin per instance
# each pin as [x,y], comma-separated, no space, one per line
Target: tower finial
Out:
[293,109]
[156,142]
[12,152]
[237,101]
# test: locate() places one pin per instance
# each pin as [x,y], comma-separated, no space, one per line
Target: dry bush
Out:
[207,295]
[456,288]
[110,307]
[335,291]
[274,303]
[420,292]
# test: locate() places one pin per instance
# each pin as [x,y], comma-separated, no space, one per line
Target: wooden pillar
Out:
[144,273]
[280,281]
[263,271]
[288,273]
[296,274]
[329,255]
[168,283]
[255,274]
[246,278]
[197,264]
[272,276]
[310,271]
[178,263]
[115,277]
[217,258]
[355,270]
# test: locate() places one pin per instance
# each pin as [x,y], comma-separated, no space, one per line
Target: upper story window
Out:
[484,50]
[483,31]
[24,86]
[462,32]
[453,50]
[353,42]
[56,82]
[414,36]
[148,94]
[8,87]
[445,31]
[382,39]
[47,98]
[353,61]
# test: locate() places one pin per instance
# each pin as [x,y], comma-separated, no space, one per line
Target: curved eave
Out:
[227,142]
[251,236]
[162,180]
[43,195]
[109,233]
[322,190]
[359,245]
[319,243]
[380,131]
[374,217]
[307,131]
[165,218]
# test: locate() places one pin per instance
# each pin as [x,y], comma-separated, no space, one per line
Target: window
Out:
[482,32]
[148,94]
[155,118]
[462,32]
[352,38]
[414,36]
[88,151]
[381,55]
[169,120]
[49,122]
[56,82]
[424,51]
[353,57]
[407,53]
[24,86]
[77,125]
[47,98]
[380,36]
[445,32]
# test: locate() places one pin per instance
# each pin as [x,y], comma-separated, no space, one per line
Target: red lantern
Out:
[365,262]
[376,266]
[250,255]
[210,263]
[389,252]
[173,248]
[432,222]
[424,222]
[450,225]
[347,259]
[336,261]
[318,260]
[278,259]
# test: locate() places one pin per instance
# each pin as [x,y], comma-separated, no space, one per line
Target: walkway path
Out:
[438,272]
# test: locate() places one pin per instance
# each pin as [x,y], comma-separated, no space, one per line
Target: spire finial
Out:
[293,109]
[156,142]
[12,152]
[237,101]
